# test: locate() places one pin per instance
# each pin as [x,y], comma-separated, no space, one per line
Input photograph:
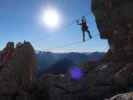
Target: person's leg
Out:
[89,34]
[83,35]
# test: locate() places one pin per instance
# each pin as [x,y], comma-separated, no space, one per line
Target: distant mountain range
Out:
[49,62]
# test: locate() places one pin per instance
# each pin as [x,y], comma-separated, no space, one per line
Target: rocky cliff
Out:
[115,23]
[115,73]
[19,68]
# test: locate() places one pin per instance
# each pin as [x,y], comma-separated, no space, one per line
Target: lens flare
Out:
[76,73]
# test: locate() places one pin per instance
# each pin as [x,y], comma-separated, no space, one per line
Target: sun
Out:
[51,18]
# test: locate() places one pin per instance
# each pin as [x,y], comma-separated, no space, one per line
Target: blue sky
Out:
[20,20]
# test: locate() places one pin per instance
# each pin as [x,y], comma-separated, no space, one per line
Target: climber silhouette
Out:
[84,27]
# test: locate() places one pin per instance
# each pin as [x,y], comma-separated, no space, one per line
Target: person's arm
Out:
[78,22]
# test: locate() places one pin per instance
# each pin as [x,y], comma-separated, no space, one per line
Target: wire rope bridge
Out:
[75,42]
[68,44]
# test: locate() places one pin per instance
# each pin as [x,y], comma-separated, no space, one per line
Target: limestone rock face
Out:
[25,60]
[19,70]
[115,23]
[112,15]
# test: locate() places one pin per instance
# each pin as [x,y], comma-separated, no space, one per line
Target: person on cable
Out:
[84,27]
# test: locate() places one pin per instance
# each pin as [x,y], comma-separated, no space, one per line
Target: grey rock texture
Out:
[124,96]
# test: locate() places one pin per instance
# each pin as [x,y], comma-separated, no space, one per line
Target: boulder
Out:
[124,96]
